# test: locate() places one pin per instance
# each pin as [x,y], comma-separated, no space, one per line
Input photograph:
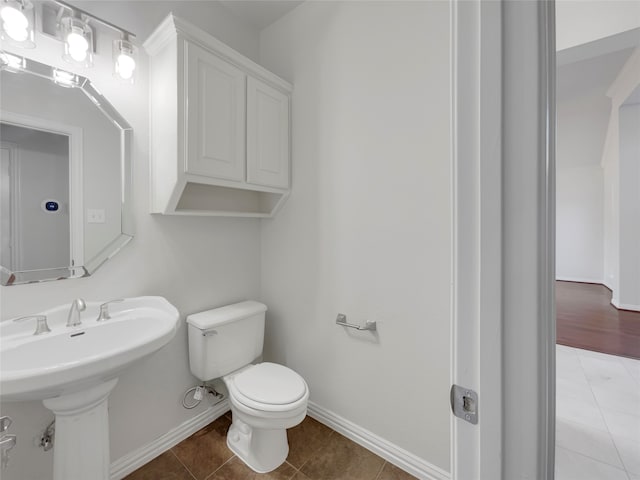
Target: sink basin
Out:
[71,359]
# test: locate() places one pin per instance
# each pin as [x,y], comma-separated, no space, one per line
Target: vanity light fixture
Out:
[77,37]
[125,55]
[70,25]
[17,20]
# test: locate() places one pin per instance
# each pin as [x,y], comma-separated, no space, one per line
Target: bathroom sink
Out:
[73,359]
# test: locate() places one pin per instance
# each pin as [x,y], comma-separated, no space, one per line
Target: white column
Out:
[629,239]
[81,448]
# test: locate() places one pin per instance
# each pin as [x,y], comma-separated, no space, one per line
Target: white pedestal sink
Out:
[73,370]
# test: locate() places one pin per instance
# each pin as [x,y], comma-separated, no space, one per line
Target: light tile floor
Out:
[597,416]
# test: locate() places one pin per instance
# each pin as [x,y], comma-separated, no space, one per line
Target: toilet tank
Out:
[225,339]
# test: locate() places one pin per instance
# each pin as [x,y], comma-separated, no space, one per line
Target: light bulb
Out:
[16,33]
[78,41]
[124,59]
[125,66]
[15,23]
[77,45]
[14,18]
[78,54]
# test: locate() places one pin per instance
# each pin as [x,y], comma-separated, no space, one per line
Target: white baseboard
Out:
[580,279]
[392,453]
[134,460]
[625,306]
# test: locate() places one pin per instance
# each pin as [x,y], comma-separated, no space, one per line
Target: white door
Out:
[215,111]
[267,135]
[8,254]
[503,165]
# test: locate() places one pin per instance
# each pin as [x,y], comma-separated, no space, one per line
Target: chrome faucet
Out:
[41,323]
[77,306]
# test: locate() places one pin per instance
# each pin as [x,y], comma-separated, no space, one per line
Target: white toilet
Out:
[266,398]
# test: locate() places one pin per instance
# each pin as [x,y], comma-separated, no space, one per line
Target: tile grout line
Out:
[295,471]
[303,464]
[331,432]
[216,470]
[615,446]
[596,460]
[183,465]
[624,468]
[579,357]
[377,477]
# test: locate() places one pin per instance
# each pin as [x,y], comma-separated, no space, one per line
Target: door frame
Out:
[76,179]
[13,206]
[503,197]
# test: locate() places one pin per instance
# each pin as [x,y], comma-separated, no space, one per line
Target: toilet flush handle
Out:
[208,333]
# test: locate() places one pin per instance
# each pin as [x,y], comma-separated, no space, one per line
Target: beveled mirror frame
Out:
[9,277]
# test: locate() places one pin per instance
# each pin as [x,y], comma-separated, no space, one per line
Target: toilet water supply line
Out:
[198,394]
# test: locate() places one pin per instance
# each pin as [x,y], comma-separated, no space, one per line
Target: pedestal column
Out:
[81,449]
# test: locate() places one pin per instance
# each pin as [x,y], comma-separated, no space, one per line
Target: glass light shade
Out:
[17,20]
[77,37]
[125,57]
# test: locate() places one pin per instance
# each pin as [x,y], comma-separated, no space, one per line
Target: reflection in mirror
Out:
[65,191]
[35,199]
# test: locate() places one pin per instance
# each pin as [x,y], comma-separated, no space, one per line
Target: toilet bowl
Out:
[266,398]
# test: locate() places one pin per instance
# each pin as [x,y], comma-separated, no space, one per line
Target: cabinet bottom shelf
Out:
[214,200]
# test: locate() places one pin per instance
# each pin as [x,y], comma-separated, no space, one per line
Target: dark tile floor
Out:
[315,453]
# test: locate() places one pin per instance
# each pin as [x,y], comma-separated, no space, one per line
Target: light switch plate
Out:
[95,215]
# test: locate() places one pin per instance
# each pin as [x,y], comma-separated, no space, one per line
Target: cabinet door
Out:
[215,111]
[267,135]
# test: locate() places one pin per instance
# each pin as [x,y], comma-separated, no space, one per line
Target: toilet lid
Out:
[271,384]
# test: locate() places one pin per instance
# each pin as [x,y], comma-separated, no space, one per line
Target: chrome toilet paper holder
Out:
[341,319]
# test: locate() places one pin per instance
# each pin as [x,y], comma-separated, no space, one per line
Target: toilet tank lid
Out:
[220,316]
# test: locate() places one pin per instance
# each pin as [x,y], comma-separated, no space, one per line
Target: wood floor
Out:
[586,319]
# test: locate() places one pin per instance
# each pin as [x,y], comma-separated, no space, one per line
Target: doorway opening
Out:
[598,259]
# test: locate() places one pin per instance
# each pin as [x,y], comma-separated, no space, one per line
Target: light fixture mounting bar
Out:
[77,10]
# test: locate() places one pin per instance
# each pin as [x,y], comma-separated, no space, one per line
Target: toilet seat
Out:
[268,387]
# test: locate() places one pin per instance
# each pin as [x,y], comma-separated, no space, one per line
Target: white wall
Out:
[579,227]
[366,231]
[629,283]
[625,83]
[196,263]
[582,21]
[581,128]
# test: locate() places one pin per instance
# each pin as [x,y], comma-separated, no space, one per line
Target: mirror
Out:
[65,205]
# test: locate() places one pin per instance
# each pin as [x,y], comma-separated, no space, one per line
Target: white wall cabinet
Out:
[267,135]
[220,127]
[215,116]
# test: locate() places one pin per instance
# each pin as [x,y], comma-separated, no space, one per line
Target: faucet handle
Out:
[104,310]
[5,423]
[41,323]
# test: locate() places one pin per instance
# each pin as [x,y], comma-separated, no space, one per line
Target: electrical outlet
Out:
[95,215]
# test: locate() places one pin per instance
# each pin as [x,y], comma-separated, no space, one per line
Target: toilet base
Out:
[262,450]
